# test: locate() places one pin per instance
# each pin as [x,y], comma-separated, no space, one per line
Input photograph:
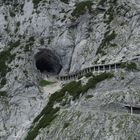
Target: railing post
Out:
[62,78]
[81,73]
[131,110]
[115,68]
[109,67]
[103,67]
[85,71]
[89,69]
[76,76]
[98,69]
[94,69]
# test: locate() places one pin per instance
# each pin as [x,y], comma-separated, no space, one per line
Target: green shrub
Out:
[14,45]
[18,24]
[31,39]
[102,2]
[109,15]
[74,89]
[66,125]
[111,12]
[88,74]
[3,81]
[36,2]
[106,41]
[42,41]
[92,82]
[129,66]
[132,66]
[48,114]
[3,94]
[123,65]
[12,14]
[6,57]
[81,8]
[44,83]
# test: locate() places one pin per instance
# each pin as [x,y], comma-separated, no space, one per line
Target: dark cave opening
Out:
[43,65]
[48,61]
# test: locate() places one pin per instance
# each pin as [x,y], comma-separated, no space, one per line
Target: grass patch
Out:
[108,18]
[3,94]
[44,83]
[5,58]
[81,8]
[36,2]
[12,13]
[48,114]
[111,12]
[14,44]
[42,41]
[106,41]
[102,2]
[129,66]
[3,82]
[88,74]
[66,125]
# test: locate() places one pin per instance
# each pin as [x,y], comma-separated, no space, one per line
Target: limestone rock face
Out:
[79,34]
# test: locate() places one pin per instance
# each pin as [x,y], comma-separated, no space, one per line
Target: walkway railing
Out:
[94,68]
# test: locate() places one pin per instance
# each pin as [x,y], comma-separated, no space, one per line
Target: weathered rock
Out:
[103,32]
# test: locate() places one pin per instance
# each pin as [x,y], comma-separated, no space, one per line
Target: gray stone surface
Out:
[103,36]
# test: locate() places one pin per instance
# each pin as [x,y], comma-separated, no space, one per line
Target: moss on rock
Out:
[81,8]
[49,113]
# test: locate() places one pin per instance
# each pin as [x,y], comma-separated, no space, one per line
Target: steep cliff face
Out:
[80,33]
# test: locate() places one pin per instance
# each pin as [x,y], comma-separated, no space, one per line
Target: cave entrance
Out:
[47,62]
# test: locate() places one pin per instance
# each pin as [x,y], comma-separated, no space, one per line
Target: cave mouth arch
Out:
[48,62]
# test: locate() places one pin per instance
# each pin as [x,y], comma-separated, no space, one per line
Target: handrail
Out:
[94,68]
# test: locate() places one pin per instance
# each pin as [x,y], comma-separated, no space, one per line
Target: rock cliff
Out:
[76,34]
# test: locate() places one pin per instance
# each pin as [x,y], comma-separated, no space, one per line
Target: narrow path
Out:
[94,68]
[52,88]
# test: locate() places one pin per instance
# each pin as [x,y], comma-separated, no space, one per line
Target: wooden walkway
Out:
[95,68]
